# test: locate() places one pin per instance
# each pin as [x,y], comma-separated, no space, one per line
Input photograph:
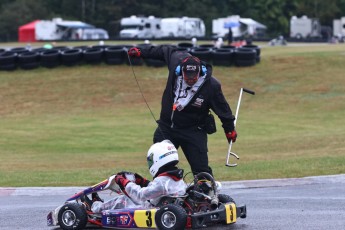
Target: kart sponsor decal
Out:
[122,219]
[230,213]
[145,218]
[167,154]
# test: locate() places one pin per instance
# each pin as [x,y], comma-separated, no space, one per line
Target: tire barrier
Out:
[82,48]
[39,50]
[227,55]
[115,55]
[209,46]
[8,60]
[61,48]
[28,60]
[245,57]
[50,58]
[203,54]
[71,57]
[228,47]
[223,57]
[135,61]
[185,46]
[257,50]
[19,50]
[93,55]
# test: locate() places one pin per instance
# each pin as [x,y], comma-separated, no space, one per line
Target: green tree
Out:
[275,14]
[325,11]
[16,13]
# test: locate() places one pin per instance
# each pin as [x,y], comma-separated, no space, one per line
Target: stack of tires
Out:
[71,57]
[223,56]
[115,55]
[93,55]
[204,54]
[8,60]
[185,46]
[247,55]
[257,50]
[50,58]
[28,60]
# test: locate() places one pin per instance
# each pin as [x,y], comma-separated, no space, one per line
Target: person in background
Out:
[230,37]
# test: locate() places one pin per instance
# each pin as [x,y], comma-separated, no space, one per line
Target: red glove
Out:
[134,52]
[231,136]
[139,180]
[121,181]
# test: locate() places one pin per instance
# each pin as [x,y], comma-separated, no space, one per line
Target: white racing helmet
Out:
[161,154]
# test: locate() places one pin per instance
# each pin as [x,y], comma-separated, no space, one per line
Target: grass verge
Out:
[77,125]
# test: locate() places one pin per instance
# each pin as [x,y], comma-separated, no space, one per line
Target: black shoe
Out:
[86,202]
[95,197]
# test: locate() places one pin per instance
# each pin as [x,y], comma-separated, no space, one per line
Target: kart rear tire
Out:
[223,198]
[72,216]
[171,217]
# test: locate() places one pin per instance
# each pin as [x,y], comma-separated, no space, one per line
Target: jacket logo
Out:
[198,102]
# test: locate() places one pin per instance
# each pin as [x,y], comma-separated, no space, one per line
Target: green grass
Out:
[77,125]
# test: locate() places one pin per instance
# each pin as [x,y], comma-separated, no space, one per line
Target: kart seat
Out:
[171,199]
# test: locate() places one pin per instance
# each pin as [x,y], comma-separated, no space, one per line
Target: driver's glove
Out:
[139,180]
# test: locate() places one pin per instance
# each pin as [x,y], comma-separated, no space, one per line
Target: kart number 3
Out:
[145,218]
[149,219]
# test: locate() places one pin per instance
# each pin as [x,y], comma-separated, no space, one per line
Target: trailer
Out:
[339,29]
[184,27]
[304,27]
[58,29]
[140,27]
[240,27]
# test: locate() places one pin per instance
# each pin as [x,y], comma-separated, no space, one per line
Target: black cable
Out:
[141,92]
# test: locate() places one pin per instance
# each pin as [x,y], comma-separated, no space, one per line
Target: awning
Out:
[74,24]
[251,22]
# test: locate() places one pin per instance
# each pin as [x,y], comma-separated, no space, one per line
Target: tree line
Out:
[106,14]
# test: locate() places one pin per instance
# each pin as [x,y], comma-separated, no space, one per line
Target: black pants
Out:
[193,143]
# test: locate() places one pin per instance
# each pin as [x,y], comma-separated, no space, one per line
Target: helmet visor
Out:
[150,160]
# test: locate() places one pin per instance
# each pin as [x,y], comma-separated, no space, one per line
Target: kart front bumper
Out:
[227,214]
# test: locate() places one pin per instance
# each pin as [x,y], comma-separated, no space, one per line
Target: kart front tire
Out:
[72,216]
[171,217]
[224,198]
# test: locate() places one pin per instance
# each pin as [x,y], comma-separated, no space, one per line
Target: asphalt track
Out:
[309,203]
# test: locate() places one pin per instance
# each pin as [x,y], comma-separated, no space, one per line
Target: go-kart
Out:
[200,207]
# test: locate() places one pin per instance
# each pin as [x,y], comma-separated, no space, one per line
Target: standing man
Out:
[230,37]
[191,91]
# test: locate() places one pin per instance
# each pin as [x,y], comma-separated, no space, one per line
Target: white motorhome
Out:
[185,27]
[240,27]
[140,27]
[58,29]
[339,28]
[305,27]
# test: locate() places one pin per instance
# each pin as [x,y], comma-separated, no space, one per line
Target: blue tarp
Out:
[231,24]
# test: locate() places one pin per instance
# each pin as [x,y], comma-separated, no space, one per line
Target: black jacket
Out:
[209,95]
